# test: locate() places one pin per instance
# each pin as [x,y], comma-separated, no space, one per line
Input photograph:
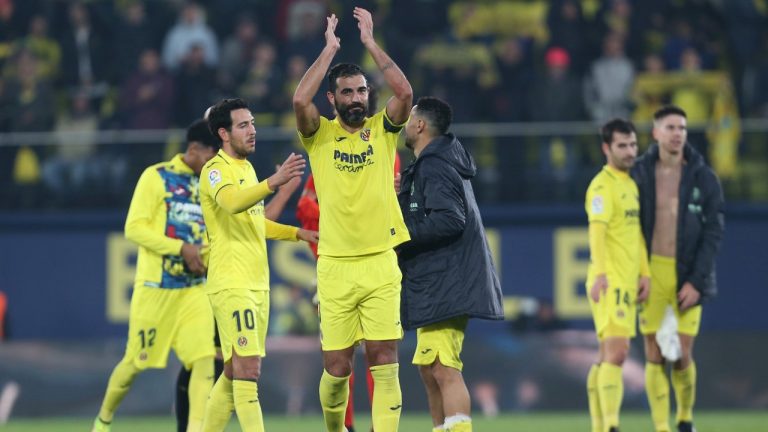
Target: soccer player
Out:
[618,275]
[358,279]
[169,308]
[682,221]
[232,199]
[448,274]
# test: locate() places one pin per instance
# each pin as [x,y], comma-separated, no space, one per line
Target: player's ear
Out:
[223,134]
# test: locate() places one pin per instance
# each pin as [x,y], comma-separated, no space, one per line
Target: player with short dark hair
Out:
[169,309]
[448,273]
[358,279]
[681,212]
[232,200]
[618,276]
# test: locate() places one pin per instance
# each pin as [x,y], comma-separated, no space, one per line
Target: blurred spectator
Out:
[556,97]
[414,23]
[607,88]
[292,15]
[757,85]
[516,76]
[262,79]
[569,32]
[195,85]
[305,26]
[43,47]
[27,103]
[190,31]
[236,53]
[135,34]
[146,97]
[84,66]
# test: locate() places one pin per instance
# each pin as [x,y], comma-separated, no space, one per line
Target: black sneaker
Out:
[685,426]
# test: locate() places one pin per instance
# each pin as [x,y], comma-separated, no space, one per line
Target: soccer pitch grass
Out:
[712,421]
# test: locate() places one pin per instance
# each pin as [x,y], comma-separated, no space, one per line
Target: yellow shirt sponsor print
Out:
[355,187]
[238,248]
[613,199]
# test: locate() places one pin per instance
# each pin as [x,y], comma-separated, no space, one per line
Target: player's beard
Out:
[409,142]
[352,118]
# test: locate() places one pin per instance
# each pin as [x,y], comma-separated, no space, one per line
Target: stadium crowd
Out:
[89,66]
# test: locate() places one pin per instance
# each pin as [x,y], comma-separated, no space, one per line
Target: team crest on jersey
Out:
[597,205]
[365,134]
[143,356]
[619,314]
[214,177]
[242,341]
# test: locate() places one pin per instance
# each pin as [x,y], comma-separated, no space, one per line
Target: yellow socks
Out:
[200,384]
[334,392]
[610,389]
[684,383]
[387,397]
[657,390]
[218,409]
[119,383]
[594,401]
[247,406]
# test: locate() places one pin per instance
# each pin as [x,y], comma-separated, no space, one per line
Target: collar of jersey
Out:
[615,172]
[343,131]
[230,159]
[181,166]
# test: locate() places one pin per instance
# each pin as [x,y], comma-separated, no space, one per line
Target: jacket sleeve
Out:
[711,235]
[444,208]
[145,205]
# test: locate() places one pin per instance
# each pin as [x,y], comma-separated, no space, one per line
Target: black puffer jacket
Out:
[700,221]
[447,268]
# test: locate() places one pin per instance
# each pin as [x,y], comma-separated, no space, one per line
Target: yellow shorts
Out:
[663,293]
[242,317]
[615,315]
[359,299]
[162,319]
[441,341]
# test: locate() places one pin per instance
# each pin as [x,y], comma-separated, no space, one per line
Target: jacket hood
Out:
[694,159]
[448,148]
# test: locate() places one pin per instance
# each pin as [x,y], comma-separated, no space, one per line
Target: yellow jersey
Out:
[164,214]
[238,247]
[613,199]
[354,179]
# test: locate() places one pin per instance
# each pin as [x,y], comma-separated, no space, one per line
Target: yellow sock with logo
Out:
[594,401]
[334,393]
[247,406]
[119,383]
[610,388]
[221,403]
[387,397]
[657,390]
[684,383]
[200,385]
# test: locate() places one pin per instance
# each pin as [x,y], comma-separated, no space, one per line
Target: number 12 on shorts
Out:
[247,316]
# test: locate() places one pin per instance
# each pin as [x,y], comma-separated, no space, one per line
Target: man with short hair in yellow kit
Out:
[238,277]
[169,308]
[618,275]
[358,278]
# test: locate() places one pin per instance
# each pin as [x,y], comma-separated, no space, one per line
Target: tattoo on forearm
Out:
[387,65]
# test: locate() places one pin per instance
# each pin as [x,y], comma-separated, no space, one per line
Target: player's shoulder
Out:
[602,181]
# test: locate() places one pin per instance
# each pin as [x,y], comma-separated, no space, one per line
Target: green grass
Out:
[720,421]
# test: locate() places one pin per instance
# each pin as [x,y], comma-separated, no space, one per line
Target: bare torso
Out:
[667,200]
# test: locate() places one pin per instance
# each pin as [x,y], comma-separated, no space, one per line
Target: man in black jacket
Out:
[448,275]
[682,221]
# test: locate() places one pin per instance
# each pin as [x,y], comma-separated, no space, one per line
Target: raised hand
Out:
[365,24]
[292,167]
[330,36]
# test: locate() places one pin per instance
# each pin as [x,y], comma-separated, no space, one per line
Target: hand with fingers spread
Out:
[292,167]
[365,24]
[331,40]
